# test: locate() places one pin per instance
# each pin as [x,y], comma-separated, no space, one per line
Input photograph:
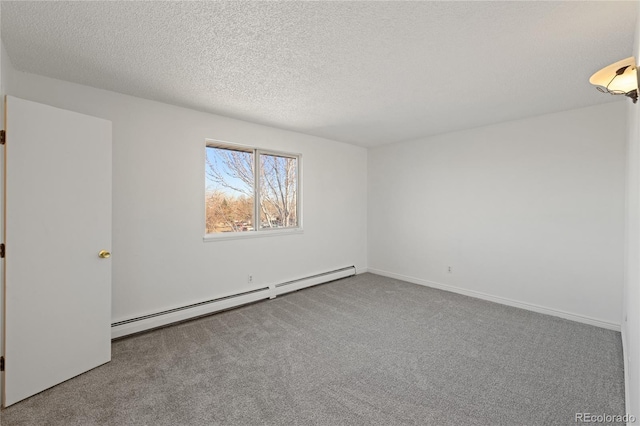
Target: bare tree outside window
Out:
[229,190]
[278,191]
[230,197]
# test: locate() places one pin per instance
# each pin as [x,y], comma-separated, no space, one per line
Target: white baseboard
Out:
[143,324]
[299,284]
[625,358]
[160,319]
[502,300]
[362,271]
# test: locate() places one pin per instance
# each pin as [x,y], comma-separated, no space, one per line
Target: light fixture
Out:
[620,78]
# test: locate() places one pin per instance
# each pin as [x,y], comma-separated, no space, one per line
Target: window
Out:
[232,202]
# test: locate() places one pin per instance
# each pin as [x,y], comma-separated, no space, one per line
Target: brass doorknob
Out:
[104,254]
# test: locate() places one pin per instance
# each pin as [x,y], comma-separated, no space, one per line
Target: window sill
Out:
[225,236]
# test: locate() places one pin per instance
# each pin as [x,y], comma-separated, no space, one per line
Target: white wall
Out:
[631,304]
[527,212]
[159,258]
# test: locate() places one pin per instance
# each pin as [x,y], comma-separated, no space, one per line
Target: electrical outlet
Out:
[449,269]
[250,279]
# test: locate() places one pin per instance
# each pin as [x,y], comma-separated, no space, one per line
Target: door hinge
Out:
[3,137]
[2,251]
[1,363]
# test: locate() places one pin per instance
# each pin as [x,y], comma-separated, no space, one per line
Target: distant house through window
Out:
[250,189]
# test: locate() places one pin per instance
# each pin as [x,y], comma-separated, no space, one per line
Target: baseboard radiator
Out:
[207,307]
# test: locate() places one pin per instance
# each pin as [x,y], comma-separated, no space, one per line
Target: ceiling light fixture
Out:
[620,78]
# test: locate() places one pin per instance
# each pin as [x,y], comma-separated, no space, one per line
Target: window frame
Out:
[258,230]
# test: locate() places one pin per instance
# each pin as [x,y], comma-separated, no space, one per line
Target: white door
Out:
[57,220]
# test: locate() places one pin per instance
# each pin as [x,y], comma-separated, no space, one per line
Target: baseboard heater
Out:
[194,310]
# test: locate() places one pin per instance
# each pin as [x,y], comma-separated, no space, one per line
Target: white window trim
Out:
[224,236]
[259,232]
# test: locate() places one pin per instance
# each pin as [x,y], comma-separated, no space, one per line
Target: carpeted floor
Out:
[365,350]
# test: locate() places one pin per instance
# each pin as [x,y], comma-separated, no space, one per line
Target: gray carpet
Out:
[366,350]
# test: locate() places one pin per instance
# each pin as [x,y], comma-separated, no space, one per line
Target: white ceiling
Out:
[367,73]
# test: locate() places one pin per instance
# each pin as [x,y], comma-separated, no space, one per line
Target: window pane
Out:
[229,182]
[278,191]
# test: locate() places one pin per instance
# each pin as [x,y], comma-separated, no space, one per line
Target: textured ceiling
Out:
[367,73]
